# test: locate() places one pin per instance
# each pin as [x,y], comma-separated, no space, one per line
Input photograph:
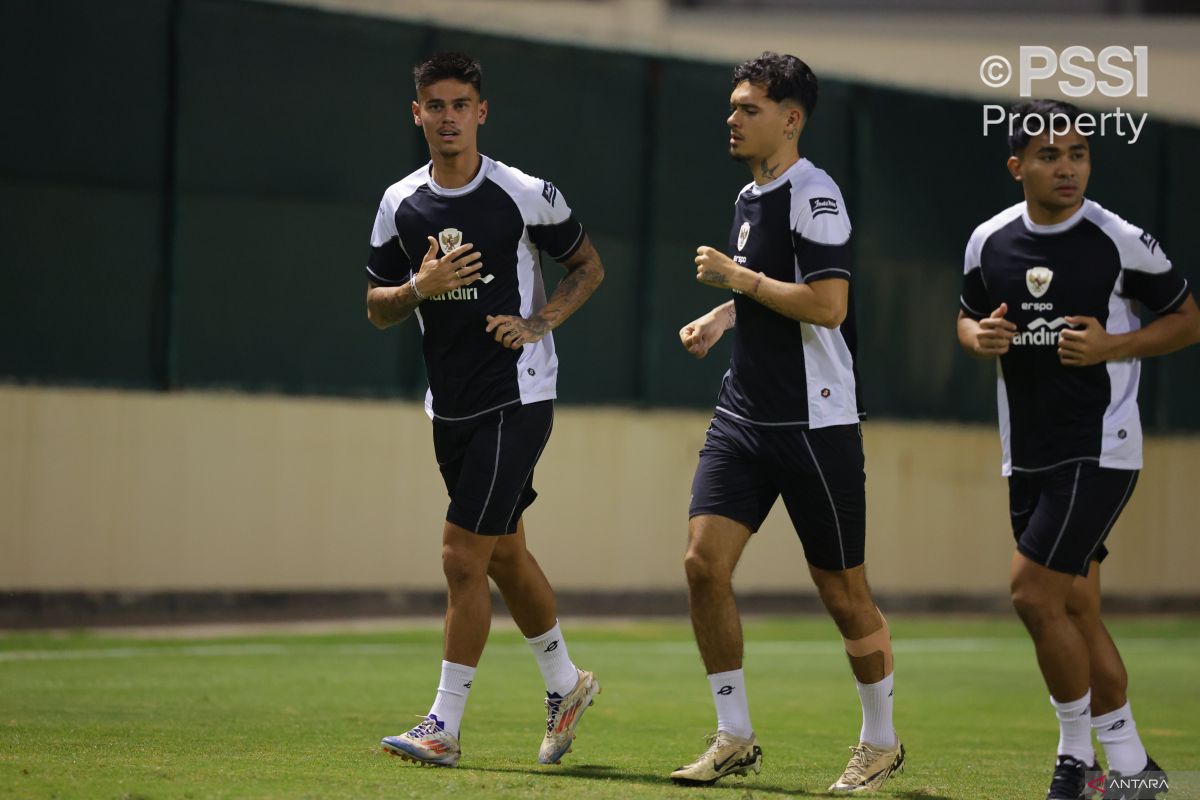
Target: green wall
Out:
[189,185]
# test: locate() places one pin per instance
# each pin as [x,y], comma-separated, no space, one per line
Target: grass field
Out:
[287,715]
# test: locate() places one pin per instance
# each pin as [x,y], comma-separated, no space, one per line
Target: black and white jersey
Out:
[785,373]
[508,216]
[1093,264]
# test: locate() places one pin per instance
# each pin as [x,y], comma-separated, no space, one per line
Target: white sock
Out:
[1075,728]
[1117,731]
[550,650]
[452,692]
[876,701]
[733,710]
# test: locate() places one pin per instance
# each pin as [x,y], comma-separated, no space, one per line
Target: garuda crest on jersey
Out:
[743,235]
[1037,280]
[449,239]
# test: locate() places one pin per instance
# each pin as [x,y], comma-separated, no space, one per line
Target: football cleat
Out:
[726,755]
[1149,784]
[563,715]
[1068,782]
[869,767]
[428,743]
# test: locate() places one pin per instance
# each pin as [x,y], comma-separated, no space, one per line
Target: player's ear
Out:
[416,112]
[1014,168]
[483,111]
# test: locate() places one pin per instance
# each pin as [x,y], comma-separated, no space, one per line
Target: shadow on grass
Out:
[749,787]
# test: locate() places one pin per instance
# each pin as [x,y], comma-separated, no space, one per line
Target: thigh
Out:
[494,481]
[1074,509]
[731,481]
[824,489]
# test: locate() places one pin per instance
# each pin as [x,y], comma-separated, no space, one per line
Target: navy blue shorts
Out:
[487,464]
[1061,516]
[819,473]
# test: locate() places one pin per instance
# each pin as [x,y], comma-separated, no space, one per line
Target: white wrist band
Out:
[412,281]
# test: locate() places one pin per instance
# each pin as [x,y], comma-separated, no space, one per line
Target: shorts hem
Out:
[713,512]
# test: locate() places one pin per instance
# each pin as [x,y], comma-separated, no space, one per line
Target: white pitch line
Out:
[678,648]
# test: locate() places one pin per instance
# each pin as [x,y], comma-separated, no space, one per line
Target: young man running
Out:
[1048,288]
[457,242]
[786,421]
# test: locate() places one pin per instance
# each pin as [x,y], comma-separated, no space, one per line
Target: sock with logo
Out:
[1117,732]
[1075,728]
[550,650]
[733,710]
[452,693]
[877,728]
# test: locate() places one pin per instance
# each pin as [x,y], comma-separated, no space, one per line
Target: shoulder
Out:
[818,210]
[385,218]
[539,200]
[1137,248]
[404,188]
[985,230]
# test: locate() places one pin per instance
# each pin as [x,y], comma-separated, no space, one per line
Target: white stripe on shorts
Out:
[495,472]
[1067,518]
[836,523]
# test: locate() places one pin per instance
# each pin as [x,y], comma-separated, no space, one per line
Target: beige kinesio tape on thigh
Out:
[878,642]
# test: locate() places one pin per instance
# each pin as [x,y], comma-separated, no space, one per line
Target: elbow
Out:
[375,319]
[833,318]
[596,273]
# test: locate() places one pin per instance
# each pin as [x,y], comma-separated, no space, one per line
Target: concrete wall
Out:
[127,491]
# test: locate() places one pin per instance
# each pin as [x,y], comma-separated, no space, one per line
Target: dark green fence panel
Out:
[694,184]
[84,86]
[1176,378]
[270,300]
[292,125]
[80,283]
[81,163]
[216,164]
[926,179]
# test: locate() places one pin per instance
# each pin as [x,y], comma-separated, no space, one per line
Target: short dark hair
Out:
[784,77]
[452,65]
[1045,110]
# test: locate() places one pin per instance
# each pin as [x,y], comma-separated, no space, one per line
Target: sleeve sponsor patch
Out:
[549,193]
[1150,242]
[823,205]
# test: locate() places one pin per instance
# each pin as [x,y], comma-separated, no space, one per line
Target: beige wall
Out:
[121,490]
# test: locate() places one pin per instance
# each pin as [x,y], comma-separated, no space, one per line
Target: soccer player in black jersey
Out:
[786,421]
[1048,288]
[457,242]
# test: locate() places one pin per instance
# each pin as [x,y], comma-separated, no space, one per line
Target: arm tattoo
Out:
[389,305]
[584,274]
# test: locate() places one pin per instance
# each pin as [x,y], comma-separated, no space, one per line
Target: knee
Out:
[705,571]
[839,604]
[847,599]
[505,564]
[461,568]
[1084,611]
[1032,606]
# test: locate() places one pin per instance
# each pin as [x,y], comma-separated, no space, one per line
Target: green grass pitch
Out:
[301,715]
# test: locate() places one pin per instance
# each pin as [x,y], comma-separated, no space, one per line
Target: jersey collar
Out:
[485,166]
[1058,227]
[754,189]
